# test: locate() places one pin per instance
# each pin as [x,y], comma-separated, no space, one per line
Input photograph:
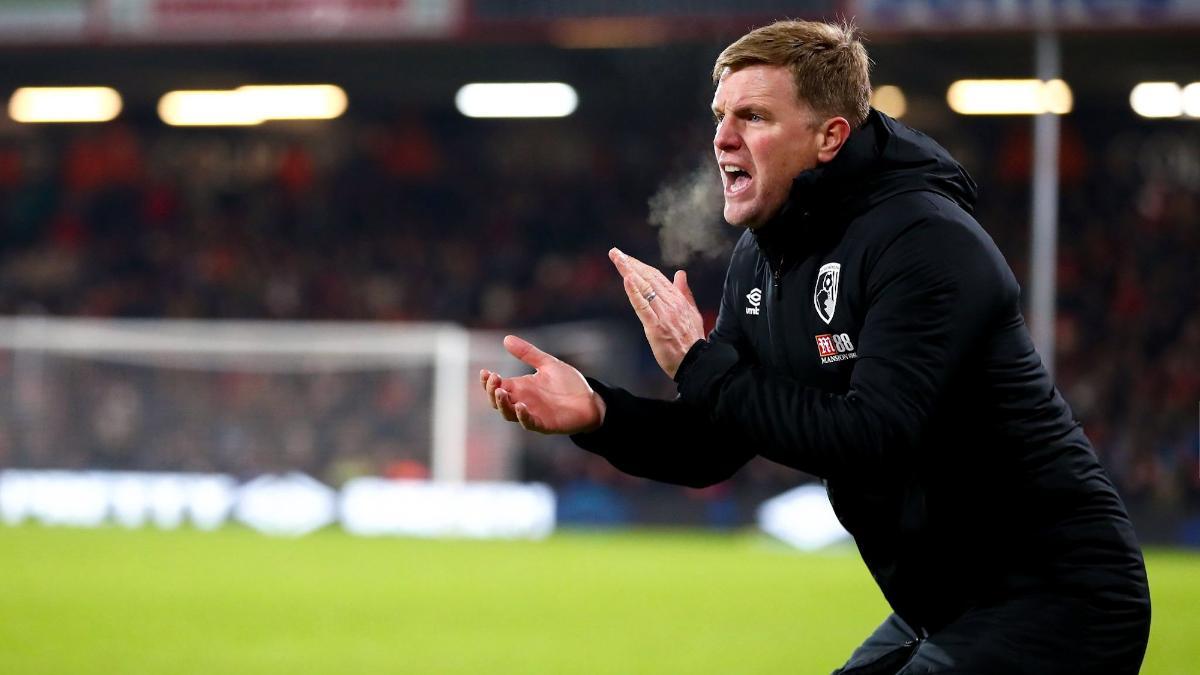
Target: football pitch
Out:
[232,601]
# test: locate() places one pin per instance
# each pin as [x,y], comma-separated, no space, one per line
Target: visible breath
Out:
[687,211]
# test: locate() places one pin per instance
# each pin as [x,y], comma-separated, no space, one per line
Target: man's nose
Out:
[726,138]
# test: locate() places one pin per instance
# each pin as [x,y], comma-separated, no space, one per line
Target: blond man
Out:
[870,334]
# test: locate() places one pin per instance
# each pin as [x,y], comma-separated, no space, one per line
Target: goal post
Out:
[452,356]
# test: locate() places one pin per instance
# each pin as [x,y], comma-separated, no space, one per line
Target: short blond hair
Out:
[828,61]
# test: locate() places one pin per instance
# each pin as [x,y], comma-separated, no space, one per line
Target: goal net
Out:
[331,400]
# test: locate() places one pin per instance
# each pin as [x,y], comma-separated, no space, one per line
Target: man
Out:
[870,334]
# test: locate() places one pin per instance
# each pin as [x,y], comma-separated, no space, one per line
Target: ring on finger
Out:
[650,296]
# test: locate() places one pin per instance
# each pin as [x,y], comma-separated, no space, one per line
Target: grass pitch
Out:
[233,601]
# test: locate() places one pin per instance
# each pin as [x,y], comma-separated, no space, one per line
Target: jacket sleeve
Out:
[666,441]
[669,441]
[931,294]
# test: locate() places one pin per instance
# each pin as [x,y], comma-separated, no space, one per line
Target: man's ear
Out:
[834,132]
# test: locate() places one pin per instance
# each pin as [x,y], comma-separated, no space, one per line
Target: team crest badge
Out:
[826,291]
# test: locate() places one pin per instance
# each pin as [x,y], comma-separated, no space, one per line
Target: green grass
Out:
[232,601]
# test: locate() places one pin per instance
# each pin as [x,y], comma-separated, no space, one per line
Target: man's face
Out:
[765,138]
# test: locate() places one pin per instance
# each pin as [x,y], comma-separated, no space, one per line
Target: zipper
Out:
[775,322]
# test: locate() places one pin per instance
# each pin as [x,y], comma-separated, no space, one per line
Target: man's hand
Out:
[666,309]
[553,400]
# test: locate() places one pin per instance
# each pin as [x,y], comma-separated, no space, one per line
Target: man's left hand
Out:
[666,309]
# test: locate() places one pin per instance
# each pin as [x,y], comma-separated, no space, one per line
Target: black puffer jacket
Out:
[871,335]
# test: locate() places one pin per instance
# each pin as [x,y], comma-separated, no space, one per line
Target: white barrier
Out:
[802,518]
[375,506]
[288,505]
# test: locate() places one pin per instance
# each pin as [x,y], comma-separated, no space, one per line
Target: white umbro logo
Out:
[754,297]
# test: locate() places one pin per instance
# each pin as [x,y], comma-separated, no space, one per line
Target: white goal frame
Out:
[263,346]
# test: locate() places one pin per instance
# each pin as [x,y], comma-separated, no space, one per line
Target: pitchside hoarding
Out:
[290,504]
[43,21]
[940,15]
[221,20]
[117,21]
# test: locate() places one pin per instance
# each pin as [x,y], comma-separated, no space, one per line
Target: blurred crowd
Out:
[506,224]
[378,222]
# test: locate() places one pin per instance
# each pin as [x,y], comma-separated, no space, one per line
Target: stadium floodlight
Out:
[890,100]
[64,104]
[1191,100]
[252,104]
[207,108]
[1157,99]
[295,101]
[1010,97]
[516,99]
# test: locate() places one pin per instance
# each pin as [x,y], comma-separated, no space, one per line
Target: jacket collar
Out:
[881,159]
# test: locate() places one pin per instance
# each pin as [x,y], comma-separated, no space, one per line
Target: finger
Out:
[620,260]
[484,376]
[637,299]
[526,352]
[504,401]
[493,382]
[627,264]
[526,418]
[681,285]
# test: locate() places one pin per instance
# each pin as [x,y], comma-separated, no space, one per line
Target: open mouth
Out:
[736,178]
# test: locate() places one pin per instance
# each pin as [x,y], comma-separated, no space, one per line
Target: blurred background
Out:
[209,273]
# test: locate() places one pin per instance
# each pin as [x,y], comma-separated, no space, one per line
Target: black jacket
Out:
[871,335]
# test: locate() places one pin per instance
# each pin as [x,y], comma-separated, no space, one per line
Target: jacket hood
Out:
[881,159]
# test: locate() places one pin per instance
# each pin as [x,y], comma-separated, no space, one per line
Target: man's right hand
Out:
[555,399]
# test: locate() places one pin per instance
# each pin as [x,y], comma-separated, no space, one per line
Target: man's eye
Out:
[755,117]
[717,119]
